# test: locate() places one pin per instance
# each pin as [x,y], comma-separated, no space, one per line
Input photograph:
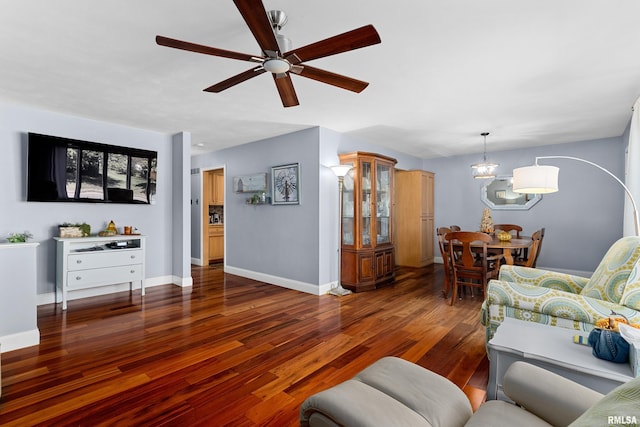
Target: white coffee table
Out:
[552,348]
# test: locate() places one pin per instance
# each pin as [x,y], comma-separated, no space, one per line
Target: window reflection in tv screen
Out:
[70,170]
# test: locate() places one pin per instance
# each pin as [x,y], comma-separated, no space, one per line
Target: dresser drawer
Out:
[103,276]
[98,259]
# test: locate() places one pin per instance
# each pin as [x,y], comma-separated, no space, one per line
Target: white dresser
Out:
[88,262]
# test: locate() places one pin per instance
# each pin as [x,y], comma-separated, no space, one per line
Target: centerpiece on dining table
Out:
[503,236]
[486,224]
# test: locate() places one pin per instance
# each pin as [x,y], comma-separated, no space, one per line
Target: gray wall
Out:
[296,243]
[42,219]
[582,220]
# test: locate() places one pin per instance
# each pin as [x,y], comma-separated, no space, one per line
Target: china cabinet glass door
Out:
[383,201]
[366,203]
[348,206]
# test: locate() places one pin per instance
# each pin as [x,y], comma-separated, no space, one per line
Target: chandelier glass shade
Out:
[485,169]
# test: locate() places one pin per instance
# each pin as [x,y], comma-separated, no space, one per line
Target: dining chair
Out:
[534,251]
[509,228]
[446,260]
[466,268]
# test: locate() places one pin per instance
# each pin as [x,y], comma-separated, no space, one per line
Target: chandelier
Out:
[485,169]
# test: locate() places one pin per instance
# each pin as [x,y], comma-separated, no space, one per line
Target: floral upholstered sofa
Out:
[566,300]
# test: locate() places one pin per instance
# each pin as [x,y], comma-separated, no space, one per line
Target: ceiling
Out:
[532,72]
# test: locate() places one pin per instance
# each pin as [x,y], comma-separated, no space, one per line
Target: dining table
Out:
[507,246]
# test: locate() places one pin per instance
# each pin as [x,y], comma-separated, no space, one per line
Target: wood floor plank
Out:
[231,351]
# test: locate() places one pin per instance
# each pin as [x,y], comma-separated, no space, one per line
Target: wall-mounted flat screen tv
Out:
[70,170]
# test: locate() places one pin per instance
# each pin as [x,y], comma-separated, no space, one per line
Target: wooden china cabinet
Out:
[367,208]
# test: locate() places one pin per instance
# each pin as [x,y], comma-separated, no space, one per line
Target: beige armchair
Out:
[394,392]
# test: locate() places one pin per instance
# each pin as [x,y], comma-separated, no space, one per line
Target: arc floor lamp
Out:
[542,179]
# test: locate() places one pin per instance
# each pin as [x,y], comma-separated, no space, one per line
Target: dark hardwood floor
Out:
[231,351]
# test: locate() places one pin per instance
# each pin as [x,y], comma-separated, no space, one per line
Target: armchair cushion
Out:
[608,281]
[631,294]
[555,399]
[543,278]
[499,413]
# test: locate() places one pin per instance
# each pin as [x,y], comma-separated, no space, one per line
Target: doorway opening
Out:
[213,217]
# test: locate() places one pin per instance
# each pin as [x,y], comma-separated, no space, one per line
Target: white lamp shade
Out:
[535,179]
[341,170]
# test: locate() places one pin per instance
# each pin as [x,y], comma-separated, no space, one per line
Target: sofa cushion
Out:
[497,412]
[631,295]
[390,392]
[610,278]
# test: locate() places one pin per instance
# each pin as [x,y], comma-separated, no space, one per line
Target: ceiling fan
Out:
[277,57]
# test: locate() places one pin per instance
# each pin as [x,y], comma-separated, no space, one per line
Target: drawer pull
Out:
[133,257]
[79,261]
[133,271]
[78,278]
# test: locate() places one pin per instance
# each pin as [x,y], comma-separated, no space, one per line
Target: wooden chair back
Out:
[509,228]
[467,269]
[446,261]
[534,251]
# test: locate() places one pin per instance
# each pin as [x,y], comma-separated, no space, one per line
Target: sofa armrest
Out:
[555,399]
[543,278]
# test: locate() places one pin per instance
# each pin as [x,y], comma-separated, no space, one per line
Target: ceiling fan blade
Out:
[232,81]
[334,79]
[286,90]
[354,39]
[207,50]
[255,16]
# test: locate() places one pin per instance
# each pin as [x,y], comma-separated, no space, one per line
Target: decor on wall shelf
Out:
[484,170]
[259,199]
[253,183]
[285,184]
[542,179]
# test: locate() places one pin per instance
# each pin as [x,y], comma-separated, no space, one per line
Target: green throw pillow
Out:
[621,407]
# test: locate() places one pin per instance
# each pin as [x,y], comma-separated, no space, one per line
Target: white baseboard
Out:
[281,281]
[50,297]
[19,340]
[197,261]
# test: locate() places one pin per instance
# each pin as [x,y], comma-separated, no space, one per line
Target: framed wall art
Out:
[253,183]
[285,184]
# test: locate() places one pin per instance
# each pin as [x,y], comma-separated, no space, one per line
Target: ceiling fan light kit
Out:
[276,65]
[484,170]
[278,57]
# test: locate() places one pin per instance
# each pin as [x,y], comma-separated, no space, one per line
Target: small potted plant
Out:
[19,237]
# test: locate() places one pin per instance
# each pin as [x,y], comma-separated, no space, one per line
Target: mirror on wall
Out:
[498,194]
